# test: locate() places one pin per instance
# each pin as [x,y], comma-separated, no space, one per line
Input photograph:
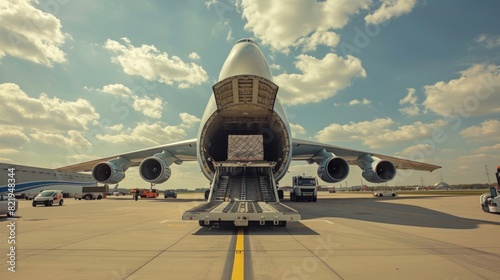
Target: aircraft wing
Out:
[181,151]
[306,150]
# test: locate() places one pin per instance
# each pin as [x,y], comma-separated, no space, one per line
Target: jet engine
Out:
[381,171]
[333,169]
[108,173]
[155,170]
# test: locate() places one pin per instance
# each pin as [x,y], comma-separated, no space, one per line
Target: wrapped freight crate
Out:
[245,147]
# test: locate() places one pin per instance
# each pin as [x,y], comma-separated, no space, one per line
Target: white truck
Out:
[92,193]
[490,201]
[243,190]
[381,193]
[304,188]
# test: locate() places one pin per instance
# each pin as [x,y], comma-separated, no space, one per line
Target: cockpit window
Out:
[246,40]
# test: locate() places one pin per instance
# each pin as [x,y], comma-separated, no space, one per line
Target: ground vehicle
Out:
[243,189]
[92,193]
[384,193]
[8,205]
[151,193]
[490,201]
[304,188]
[89,196]
[49,198]
[170,193]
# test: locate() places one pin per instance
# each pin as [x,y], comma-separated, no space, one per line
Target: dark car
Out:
[170,193]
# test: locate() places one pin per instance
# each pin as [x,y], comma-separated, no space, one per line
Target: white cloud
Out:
[188,120]
[475,93]
[283,24]
[327,38]
[378,133]
[44,112]
[194,56]
[320,78]
[29,33]
[74,139]
[224,26]
[297,129]
[145,135]
[489,149]
[117,90]
[115,128]
[150,107]
[410,98]
[151,64]
[488,130]
[469,163]
[489,41]
[12,138]
[357,102]
[417,151]
[6,160]
[390,9]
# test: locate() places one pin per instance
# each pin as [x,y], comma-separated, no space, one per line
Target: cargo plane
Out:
[245,103]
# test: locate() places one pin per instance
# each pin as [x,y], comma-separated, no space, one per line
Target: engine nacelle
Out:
[154,170]
[382,171]
[333,169]
[108,173]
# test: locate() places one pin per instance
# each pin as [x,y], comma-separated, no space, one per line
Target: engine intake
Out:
[333,169]
[382,171]
[154,170]
[108,173]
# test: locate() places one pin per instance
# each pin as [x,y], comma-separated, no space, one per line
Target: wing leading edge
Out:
[180,151]
[306,150]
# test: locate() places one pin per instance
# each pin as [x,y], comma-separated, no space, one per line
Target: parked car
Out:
[385,193]
[49,198]
[170,193]
[7,206]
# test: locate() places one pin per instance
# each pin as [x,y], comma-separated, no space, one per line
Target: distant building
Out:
[441,185]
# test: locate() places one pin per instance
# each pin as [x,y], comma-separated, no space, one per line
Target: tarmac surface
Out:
[342,236]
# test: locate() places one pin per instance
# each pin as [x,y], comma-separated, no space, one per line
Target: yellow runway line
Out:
[239,257]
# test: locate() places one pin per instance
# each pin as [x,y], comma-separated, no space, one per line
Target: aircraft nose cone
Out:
[245,59]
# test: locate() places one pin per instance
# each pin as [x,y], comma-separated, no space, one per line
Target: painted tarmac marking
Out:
[239,257]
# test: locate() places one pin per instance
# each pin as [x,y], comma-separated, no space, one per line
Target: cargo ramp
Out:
[242,193]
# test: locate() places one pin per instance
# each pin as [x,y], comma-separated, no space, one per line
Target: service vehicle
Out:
[490,201]
[384,193]
[304,188]
[170,193]
[243,190]
[8,205]
[92,193]
[151,193]
[49,198]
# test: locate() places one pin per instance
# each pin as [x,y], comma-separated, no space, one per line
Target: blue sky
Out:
[81,80]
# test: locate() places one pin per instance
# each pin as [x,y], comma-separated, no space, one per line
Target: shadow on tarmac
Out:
[377,210]
[229,229]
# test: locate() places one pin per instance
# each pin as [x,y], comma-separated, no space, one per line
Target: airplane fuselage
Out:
[244,103]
